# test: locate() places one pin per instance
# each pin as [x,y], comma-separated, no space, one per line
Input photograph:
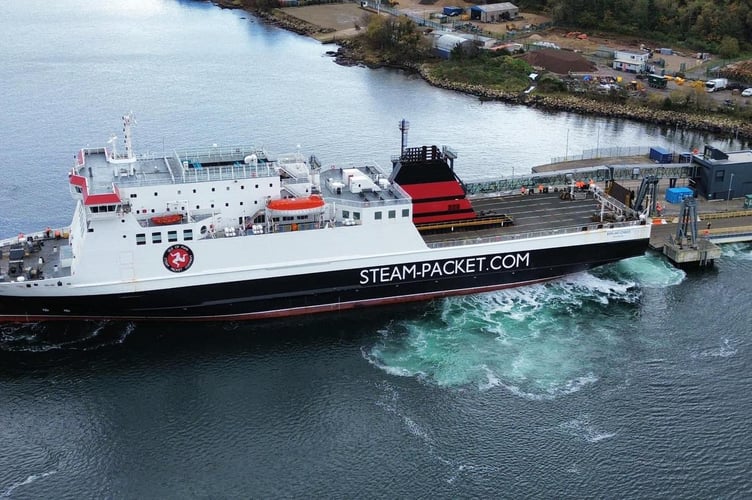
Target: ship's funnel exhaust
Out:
[404,126]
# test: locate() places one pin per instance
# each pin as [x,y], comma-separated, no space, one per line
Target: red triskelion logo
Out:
[178,258]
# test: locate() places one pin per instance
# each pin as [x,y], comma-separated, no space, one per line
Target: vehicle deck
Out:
[532,213]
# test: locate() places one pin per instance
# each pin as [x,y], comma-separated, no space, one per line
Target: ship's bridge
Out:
[100,173]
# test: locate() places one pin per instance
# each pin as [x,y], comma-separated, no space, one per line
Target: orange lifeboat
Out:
[296,206]
[167,219]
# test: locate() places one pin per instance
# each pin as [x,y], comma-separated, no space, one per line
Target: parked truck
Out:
[657,81]
[716,84]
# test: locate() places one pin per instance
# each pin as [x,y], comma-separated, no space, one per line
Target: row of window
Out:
[156,236]
[391,214]
[172,236]
[104,208]
[198,207]
[116,208]
[135,195]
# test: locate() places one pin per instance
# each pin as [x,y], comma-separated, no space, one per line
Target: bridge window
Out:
[356,215]
[405,212]
[345,214]
[377,215]
[392,214]
[100,209]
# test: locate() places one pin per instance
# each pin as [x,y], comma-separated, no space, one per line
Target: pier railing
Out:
[614,152]
[599,173]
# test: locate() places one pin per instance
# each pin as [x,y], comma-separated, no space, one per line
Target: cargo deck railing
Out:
[532,234]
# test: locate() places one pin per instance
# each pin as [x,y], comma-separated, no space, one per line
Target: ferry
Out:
[230,233]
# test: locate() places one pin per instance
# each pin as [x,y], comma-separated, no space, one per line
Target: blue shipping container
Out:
[676,195]
[452,11]
[661,155]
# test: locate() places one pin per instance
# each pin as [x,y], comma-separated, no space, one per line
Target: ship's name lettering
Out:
[437,269]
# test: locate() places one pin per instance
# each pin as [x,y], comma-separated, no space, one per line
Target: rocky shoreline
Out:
[347,56]
[573,104]
[274,17]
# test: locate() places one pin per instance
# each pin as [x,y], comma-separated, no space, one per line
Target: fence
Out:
[590,154]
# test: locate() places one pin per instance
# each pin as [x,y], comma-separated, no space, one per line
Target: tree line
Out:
[721,26]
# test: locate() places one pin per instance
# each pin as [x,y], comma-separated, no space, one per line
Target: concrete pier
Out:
[719,221]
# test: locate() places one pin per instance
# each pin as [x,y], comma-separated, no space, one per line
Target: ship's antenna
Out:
[113,143]
[404,126]
[127,122]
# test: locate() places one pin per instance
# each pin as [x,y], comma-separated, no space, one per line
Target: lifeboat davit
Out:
[296,206]
[166,219]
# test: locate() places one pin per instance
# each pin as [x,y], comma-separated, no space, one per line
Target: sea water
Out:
[631,380]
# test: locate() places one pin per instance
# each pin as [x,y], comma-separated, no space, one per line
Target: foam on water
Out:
[740,251]
[537,342]
[74,336]
[727,349]
[33,477]
[582,428]
[649,271]
[390,403]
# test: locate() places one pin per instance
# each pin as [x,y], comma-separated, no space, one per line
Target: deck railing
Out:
[531,234]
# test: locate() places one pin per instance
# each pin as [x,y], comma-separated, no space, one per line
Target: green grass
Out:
[497,72]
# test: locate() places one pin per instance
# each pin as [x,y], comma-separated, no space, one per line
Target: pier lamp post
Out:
[728,198]
[598,142]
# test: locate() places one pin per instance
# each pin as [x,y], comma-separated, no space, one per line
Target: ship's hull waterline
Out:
[320,292]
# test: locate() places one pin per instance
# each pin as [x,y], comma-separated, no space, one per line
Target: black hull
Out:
[312,293]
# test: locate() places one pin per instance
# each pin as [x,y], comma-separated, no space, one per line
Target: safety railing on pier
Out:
[598,173]
[614,152]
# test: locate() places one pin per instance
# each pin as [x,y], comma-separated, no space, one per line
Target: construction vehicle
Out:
[636,86]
